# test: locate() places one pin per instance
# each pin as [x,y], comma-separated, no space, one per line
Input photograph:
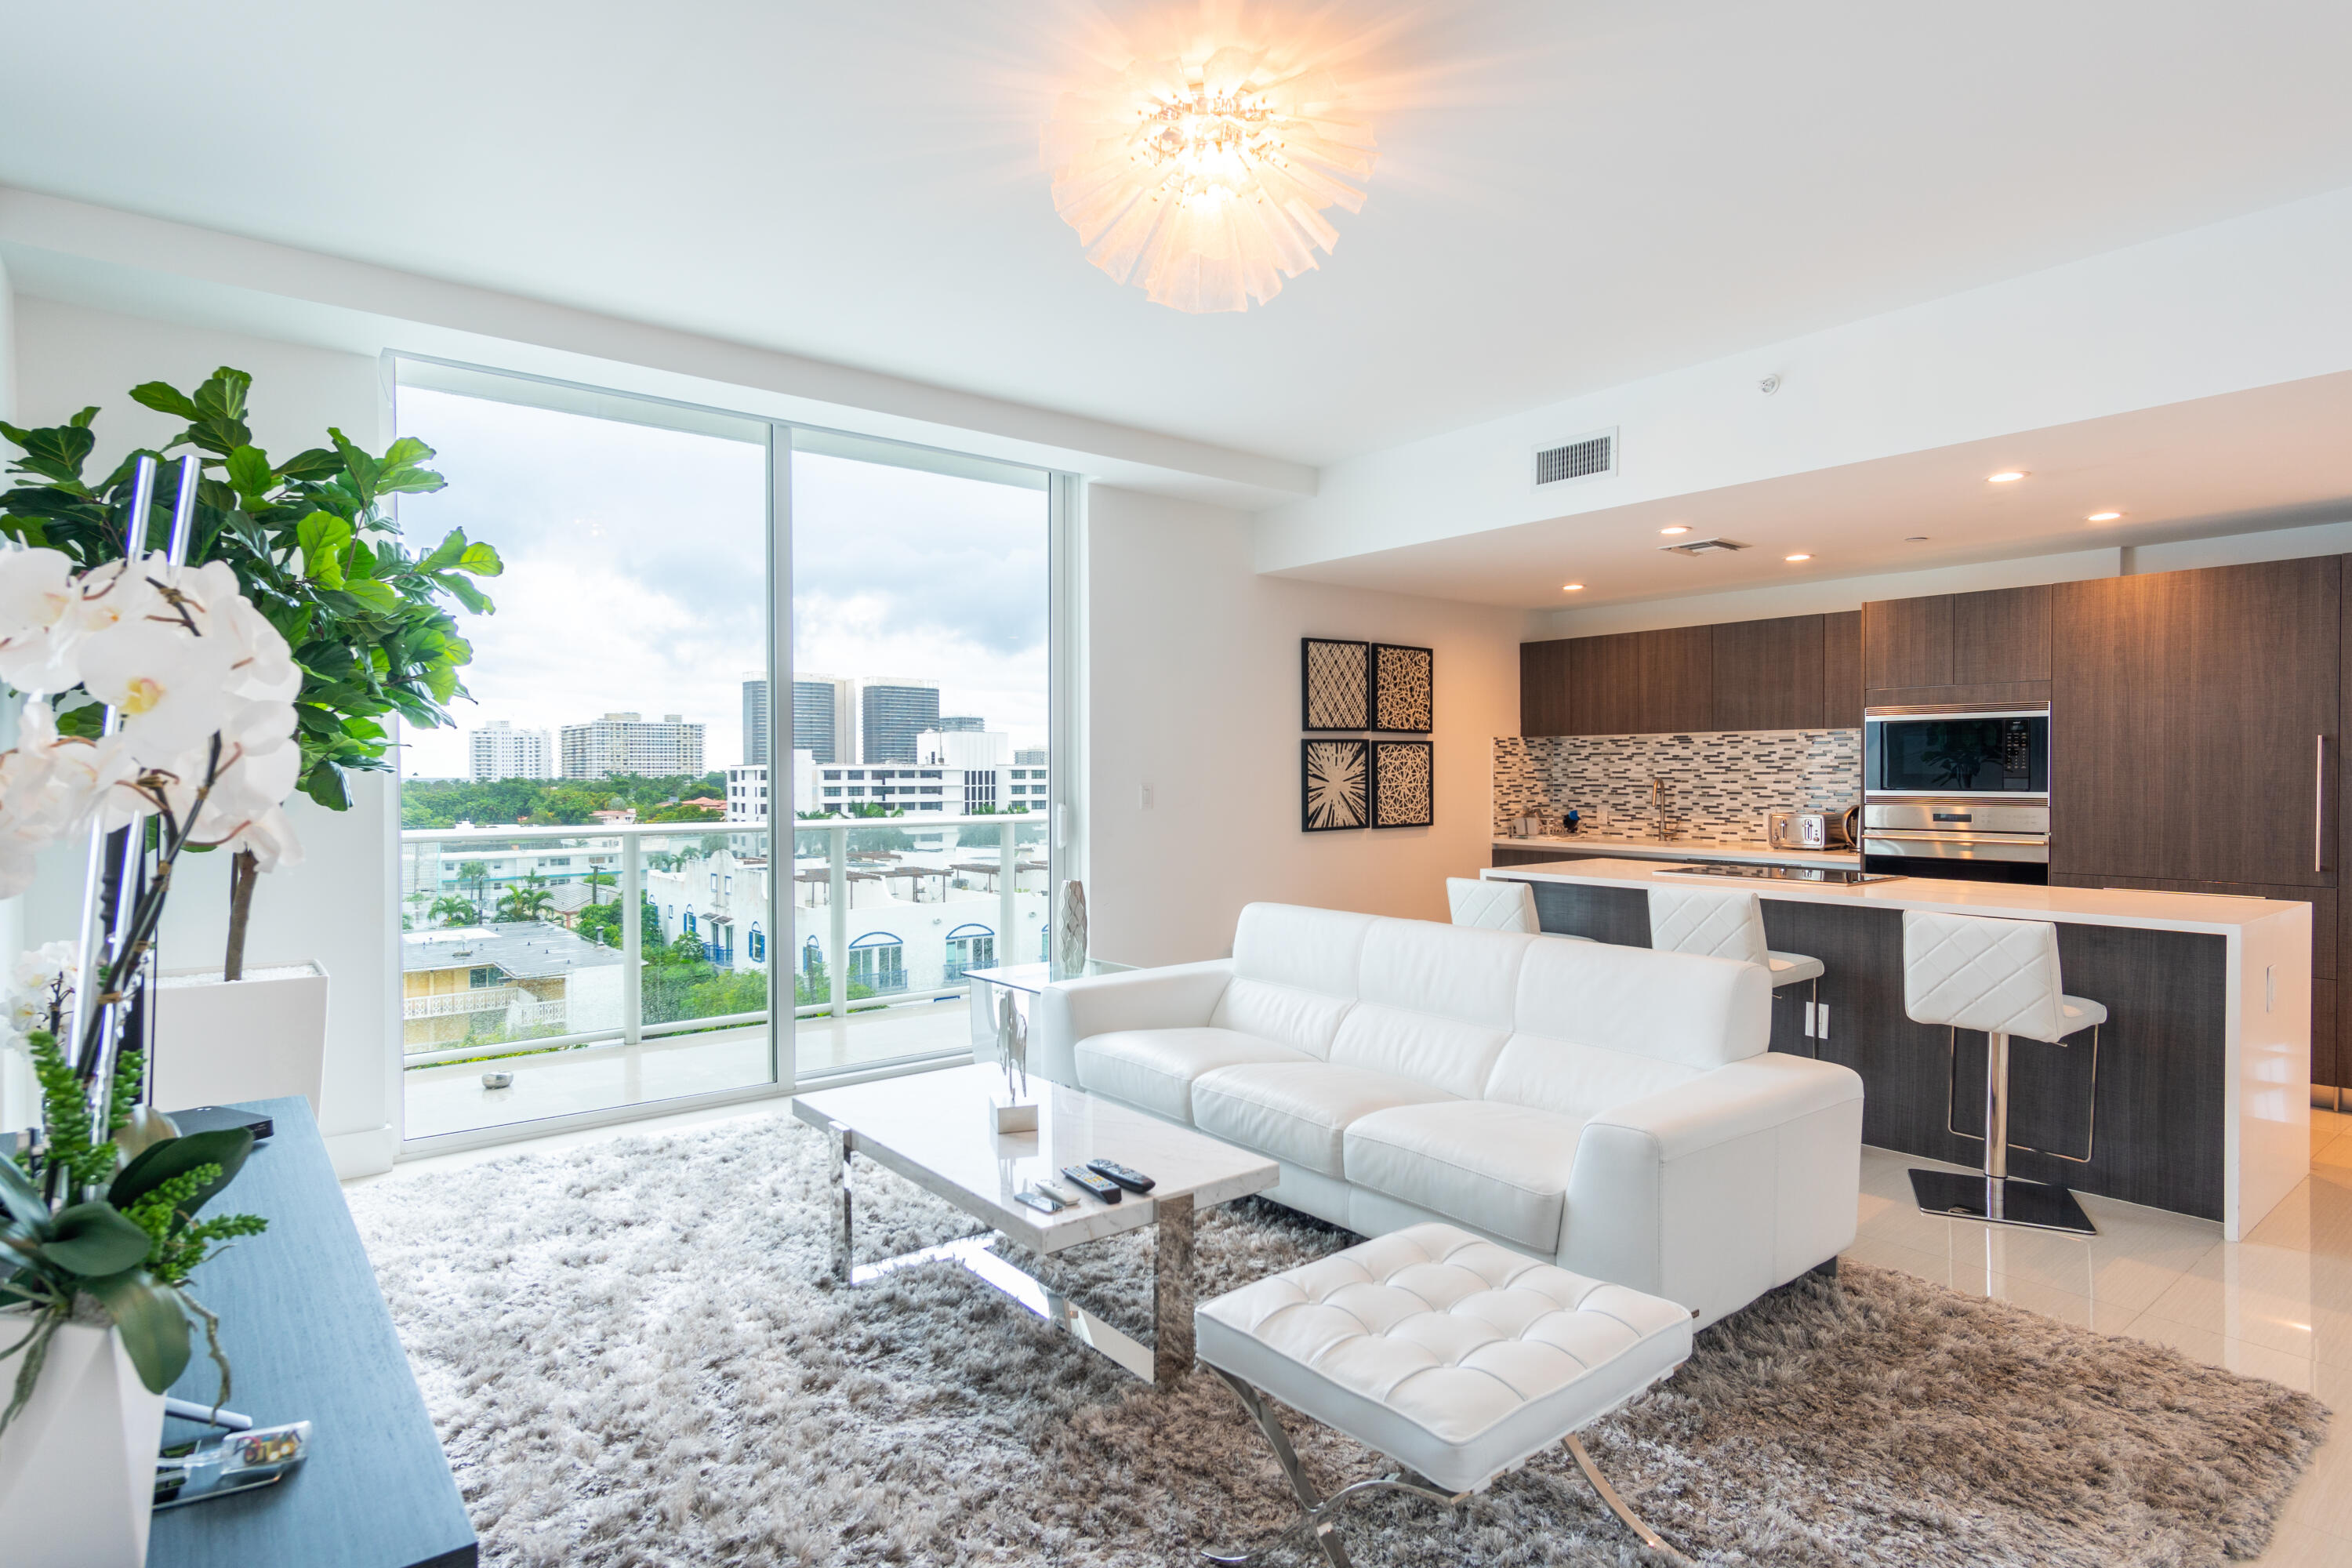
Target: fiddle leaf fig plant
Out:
[314,547]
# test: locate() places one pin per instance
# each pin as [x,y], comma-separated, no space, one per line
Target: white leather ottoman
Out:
[1458,1358]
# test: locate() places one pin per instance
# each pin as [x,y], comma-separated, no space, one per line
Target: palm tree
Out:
[475,873]
[524,903]
[453,910]
[597,880]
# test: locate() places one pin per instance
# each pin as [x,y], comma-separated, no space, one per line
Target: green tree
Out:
[451,909]
[530,901]
[314,545]
[475,874]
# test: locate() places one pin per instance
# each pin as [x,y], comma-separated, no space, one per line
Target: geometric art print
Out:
[1404,785]
[1403,690]
[1337,680]
[1333,787]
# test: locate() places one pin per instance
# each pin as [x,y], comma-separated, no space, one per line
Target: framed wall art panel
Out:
[1335,678]
[1404,784]
[1334,788]
[1404,690]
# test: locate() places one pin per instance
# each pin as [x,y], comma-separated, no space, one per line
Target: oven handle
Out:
[2319,803]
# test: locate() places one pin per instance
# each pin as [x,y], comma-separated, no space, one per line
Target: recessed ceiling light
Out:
[1798,556]
[2007,476]
[1571,587]
[2105,516]
[1676,528]
[1914,538]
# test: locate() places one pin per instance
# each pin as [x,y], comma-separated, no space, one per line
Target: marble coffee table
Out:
[936,1129]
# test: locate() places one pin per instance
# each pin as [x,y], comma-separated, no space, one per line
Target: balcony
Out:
[874,921]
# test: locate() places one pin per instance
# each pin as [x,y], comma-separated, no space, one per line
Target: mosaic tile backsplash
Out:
[1722,784]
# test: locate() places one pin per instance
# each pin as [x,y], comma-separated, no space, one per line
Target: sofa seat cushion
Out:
[1503,1168]
[1298,1111]
[1153,1069]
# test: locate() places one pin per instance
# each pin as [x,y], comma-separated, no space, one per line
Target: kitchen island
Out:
[1538,849]
[2199,1102]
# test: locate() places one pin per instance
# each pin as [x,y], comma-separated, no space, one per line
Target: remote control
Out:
[1066,1196]
[1044,1203]
[1102,1187]
[1134,1181]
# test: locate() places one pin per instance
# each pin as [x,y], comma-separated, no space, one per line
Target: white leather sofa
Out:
[1611,1109]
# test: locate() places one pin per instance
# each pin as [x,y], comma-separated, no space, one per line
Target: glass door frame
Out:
[1065,841]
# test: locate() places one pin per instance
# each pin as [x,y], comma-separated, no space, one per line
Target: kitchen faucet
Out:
[1659,801]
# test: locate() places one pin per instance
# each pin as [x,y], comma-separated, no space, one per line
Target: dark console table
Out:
[307,1333]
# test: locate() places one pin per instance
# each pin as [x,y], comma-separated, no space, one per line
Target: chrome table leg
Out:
[845,1143]
[1172,1300]
[1626,1516]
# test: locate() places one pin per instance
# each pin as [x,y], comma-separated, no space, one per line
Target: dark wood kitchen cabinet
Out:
[1628,683]
[1841,682]
[1989,646]
[1547,695]
[1768,674]
[2194,716]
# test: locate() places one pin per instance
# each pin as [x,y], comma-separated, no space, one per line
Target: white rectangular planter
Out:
[217,1043]
[78,1464]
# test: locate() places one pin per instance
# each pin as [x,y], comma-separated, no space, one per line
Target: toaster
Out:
[1811,829]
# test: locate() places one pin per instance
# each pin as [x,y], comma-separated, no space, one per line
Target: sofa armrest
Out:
[1714,1192]
[1732,1102]
[1178,996]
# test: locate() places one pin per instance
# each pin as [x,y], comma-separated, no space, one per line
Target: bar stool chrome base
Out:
[2000,1201]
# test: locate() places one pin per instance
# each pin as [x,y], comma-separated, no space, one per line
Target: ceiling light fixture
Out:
[1914,538]
[1677,528]
[1798,556]
[1201,178]
[2105,516]
[2007,476]
[1571,587]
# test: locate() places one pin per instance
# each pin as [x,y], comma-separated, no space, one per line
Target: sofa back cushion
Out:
[1576,1081]
[1442,1053]
[1288,1015]
[1672,1007]
[1454,971]
[1290,945]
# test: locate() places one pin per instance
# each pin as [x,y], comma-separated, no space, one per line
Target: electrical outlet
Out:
[1144,797]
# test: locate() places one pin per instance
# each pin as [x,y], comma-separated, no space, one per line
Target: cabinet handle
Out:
[2319,803]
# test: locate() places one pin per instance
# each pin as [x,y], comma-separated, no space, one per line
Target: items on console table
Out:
[306,1327]
[2202,1107]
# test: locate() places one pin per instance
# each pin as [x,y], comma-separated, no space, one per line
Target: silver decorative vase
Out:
[1070,931]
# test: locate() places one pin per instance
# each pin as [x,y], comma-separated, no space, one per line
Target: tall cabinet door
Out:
[2193,723]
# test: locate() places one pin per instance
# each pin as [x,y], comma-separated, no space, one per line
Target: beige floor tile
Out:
[2285,1298]
[2129,1265]
[2300,1546]
[2316,1218]
[2323,1498]
[2219,1349]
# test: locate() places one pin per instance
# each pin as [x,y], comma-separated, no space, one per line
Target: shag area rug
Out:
[633,1356]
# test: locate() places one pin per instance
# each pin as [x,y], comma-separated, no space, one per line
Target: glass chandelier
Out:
[1203,184]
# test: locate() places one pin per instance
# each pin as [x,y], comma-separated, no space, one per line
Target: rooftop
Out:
[528,950]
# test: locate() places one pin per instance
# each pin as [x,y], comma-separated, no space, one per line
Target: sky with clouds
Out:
[635,576]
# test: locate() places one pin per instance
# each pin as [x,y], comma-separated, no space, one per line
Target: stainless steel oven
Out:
[1957,790]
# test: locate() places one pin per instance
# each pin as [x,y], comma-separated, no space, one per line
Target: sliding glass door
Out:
[583,917]
[764,713]
[921,767]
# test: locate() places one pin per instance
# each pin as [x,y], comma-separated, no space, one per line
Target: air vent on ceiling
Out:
[1593,456]
[1702,546]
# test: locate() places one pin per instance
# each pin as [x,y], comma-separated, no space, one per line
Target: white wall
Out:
[1193,675]
[2254,301]
[334,907]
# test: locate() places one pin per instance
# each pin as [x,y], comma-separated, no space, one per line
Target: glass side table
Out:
[1022,982]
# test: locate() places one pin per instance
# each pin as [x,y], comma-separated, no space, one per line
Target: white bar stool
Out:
[1498,905]
[1718,924]
[2000,976]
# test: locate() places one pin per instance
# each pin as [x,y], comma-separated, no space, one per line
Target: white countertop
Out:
[1754,850]
[2082,906]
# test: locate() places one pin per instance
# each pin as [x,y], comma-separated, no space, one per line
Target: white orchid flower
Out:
[170,689]
[36,594]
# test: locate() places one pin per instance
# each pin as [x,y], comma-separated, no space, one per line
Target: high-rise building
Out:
[960,724]
[824,717]
[755,720]
[964,749]
[1029,755]
[628,743]
[499,750]
[891,714]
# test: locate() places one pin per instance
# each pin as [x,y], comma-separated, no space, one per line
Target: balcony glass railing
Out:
[517,959]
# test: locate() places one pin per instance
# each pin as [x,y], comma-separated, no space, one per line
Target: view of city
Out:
[622,756]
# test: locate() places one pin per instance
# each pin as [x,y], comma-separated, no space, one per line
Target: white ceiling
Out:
[1569,196]
[2270,458]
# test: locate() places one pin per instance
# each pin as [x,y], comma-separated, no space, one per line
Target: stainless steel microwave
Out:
[1957,751]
